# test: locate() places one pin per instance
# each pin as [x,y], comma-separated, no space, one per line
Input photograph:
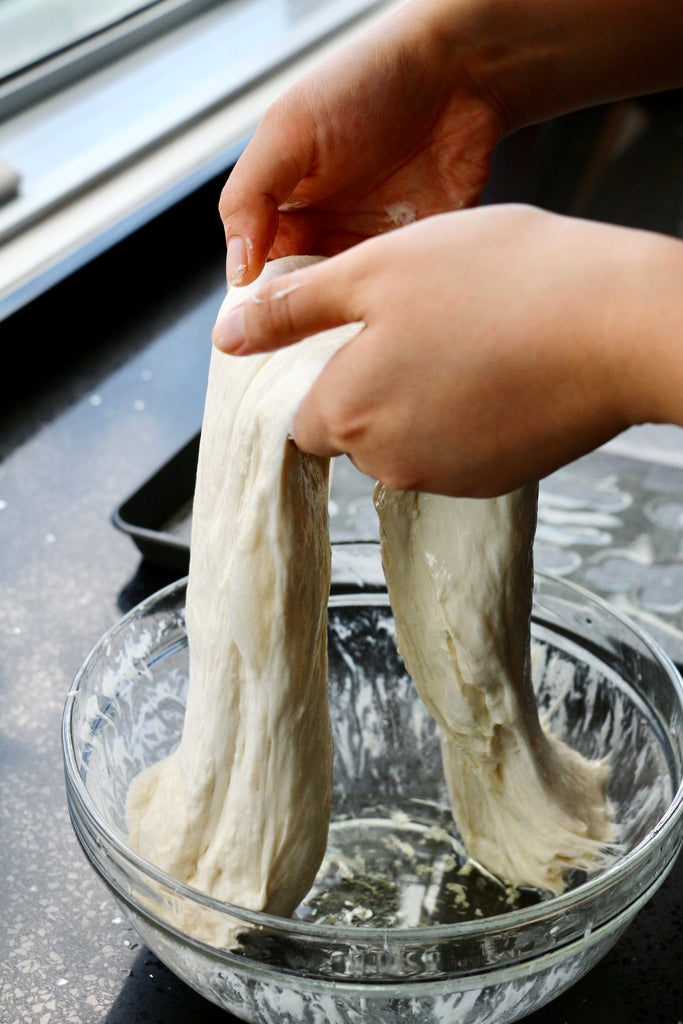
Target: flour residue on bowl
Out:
[591,706]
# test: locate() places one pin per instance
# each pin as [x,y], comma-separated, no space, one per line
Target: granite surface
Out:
[72,448]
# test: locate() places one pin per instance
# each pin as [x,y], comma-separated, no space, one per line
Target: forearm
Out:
[537,59]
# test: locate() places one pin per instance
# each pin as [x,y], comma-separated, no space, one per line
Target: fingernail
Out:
[228,334]
[236,263]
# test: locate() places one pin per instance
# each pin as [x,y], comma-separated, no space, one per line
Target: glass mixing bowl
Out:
[399,924]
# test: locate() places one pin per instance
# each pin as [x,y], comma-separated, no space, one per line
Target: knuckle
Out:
[226,201]
[395,481]
[401,469]
[347,426]
[399,478]
[270,319]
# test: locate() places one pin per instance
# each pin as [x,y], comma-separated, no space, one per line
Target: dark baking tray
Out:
[157,516]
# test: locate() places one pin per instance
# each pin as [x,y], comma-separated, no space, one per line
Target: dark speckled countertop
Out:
[110,384]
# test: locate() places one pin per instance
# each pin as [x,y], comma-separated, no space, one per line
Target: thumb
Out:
[285,305]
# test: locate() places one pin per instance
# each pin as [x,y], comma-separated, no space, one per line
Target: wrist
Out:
[536,59]
[642,327]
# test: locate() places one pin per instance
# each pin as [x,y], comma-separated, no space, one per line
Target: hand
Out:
[499,344]
[392,129]
[402,124]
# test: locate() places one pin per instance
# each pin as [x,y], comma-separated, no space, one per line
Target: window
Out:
[121,108]
[34,30]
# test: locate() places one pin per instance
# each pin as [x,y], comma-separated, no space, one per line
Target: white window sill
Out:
[113,150]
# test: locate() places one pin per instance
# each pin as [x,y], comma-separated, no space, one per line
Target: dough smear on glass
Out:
[241,809]
[460,578]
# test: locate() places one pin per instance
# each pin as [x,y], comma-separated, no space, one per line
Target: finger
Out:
[339,412]
[321,424]
[292,306]
[262,180]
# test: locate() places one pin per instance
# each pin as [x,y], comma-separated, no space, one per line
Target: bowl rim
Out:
[565,902]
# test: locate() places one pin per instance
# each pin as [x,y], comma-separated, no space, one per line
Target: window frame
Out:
[82,211]
[29,85]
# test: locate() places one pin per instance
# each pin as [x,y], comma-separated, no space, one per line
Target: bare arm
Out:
[499,343]
[542,58]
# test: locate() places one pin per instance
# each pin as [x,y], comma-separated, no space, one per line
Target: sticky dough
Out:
[460,578]
[241,809]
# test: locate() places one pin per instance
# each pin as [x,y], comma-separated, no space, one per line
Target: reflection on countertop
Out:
[611,523]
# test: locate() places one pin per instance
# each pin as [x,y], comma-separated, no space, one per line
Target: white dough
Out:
[241,809]
[460,577]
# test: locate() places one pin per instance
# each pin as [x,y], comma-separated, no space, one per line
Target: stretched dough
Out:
[241,809]
[460,579]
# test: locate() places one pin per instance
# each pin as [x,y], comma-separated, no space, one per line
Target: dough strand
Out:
[241,809]
[460,578]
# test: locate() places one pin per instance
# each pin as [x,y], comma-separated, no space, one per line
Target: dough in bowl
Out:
[460,578]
